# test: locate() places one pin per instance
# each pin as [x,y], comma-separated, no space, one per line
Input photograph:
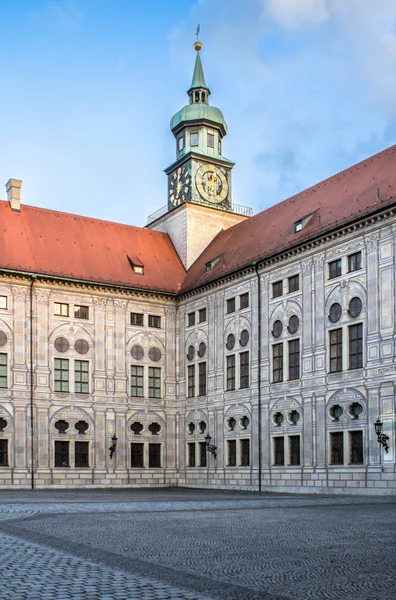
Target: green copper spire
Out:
[199,91]
[198,80]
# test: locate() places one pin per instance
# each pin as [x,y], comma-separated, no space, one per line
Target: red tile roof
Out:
[43,241]
[335,201]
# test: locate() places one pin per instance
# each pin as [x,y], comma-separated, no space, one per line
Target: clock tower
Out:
[199,180]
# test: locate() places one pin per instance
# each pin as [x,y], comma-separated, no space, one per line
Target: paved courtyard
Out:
[195,545]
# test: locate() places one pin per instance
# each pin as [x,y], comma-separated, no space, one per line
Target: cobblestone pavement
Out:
[196,545]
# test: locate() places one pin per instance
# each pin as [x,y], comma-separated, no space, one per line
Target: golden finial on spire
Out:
[198,45]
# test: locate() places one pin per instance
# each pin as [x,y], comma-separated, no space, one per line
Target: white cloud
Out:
[293,14]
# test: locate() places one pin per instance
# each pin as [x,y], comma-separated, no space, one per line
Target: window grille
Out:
[244,338]
[294,449]
[154,321]
[277,329]
[81,372]
[191,352]
[4,453]
[81,346]
[81,454]
[154,428]
[81,312]
[62,454]
[277,289]
[3,302]
[231,423]
[191,381]
[202,350]
[356,447]
[294,359]
[137,319]
[3,424]
[279,451]
[62,426]
[202,454]
[137,352]
[356,346]
[191,428]
[191,319]
[244,370]
[336,411]
[245,453]
[61,344]
[81,427]
[244,422]
[230,372]
[191,454]
[137,460]
[335,312]
[277,363]
[231,445]
[202,378]
[335,269]
[61,310]
[243,301]
[354,262]
[230,305]
[230,341]
[337,448]
[355,307]
[335,350]
[294,283]
[137,381]
[202,315]
[201,427]
[154,382]
[155,354]
[355,410]
[154,456]
[294,417]
[3,370]
[278,419]
[137,428]
[3,339]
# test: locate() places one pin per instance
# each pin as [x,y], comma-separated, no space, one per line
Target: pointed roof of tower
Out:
[198,80]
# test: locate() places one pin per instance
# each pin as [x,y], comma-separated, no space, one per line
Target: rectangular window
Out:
[81,312]
[244,370]
[154,382]
[136,319]
[3,453]
[243,301]
[191,454]
[277,363]
[81,455]
[202,315]
[231,373]
[245,453]
[337,448]
[137,378]
[191,319]
[335,350]
[3,370]
[194,138]
[210,140]
[191,380]
[154,321]
[3,302]
[61,310]
[202,454]
[335,269]
[231,453]
[356,346]
[354,262]
[294,283]
[277,289]
[81,372]
[137,454]
[62,454]
[61,375]
[180,143]
[230,305]
[279,451]
[154,456]
[294,359]
[356,447]
[202,379]
[294,450]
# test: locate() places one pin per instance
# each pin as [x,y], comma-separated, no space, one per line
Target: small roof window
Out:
[136,264]
[211,264]
[299,225]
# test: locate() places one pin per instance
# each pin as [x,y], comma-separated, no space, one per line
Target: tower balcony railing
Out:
[237,209]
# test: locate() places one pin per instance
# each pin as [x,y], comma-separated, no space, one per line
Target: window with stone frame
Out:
[61,309]
[293,283]
[279,451]
[61,375]
[294,450]
[244,370]
[3,453]
[230,305]
[81,312]
[180,143]
[81,376]
[191,319]
[202,379]
[203,451]
[356,447]
[191,454]
[154,382]
[137,319]
[137,455]
[335,268]
[356,346]
[245,452]
[231,453]
[294,359]
[62,454]
[277,289]
[154,321]
[81,455]
[335,338]
[230,373]
[244,301]
[3,302]
[202,315]
[154,456]
[210,140]
[194,138]
[3,370]
[137,381]
[191,381]
[337,448]
[354,262]
[277,363]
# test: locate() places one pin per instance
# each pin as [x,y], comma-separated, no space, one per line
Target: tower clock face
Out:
[179,186]
[211,183]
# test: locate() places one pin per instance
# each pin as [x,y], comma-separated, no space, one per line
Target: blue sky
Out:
[307,88]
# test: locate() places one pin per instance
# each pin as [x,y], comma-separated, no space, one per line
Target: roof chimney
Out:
[13,188]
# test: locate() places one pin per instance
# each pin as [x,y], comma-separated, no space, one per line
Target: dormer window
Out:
[137,265]
[210,140]
[139,270]
[180,143]
[210,265]
[299,225]
[194,138]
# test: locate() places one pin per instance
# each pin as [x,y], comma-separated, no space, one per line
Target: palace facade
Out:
[212,348]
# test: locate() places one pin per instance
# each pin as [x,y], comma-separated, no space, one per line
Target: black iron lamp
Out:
[210,447]
[381,437]
[113,446]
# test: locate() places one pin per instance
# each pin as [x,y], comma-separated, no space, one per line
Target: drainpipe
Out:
[33,279]
[259,374]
